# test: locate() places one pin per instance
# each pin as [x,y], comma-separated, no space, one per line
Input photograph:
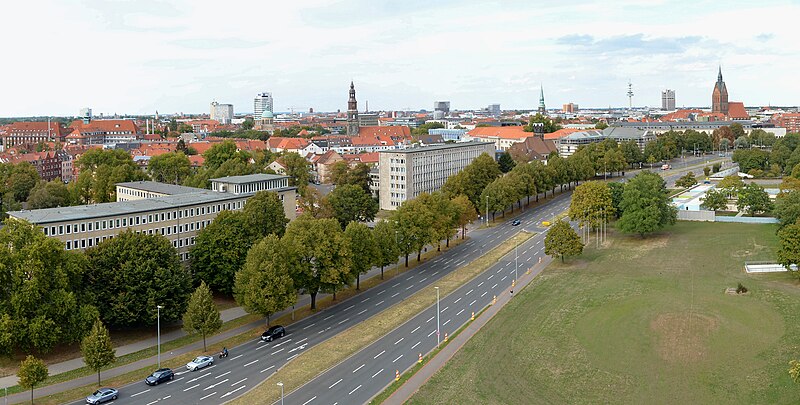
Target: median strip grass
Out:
[319,358]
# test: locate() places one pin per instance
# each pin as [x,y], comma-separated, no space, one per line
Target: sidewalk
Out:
[413,384]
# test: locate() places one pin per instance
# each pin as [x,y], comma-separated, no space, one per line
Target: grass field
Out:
[640,322]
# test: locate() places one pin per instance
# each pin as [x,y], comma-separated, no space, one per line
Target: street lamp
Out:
[437,317]
[516,260]
[158,309]
[487,210]
[280,384]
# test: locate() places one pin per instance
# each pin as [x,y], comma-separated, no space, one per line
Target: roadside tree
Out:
[789,246]
[715,200]
[385,235]
[645,205]
[787,207]
[350,202]
[202,315]
[220,250]
[363,250]
[264,285]
[686,181]
[32,372]
[591,203]
[466,213]
[97,349]
[753,199]
[562,240]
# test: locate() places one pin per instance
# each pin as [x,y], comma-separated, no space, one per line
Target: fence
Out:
[702,215]
[747,220]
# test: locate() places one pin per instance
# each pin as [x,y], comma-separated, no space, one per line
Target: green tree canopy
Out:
[223,152]
[645,205]
[473,179]
[363,250]
[97,349]
[549,125]
[49,194]
[133,273]
[264,286]
[686,181]
[221,248]
[592,203]
[787,207]
[351,203]
[100,171]
[264,214]
[32,372]
[466,213]
[562,240]
[731,185]
[386,241]
[297,169]
[202,315]
[753,199]
[173,168]
[715,200]
[789,245]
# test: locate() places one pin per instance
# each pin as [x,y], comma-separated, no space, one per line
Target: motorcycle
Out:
[223,354]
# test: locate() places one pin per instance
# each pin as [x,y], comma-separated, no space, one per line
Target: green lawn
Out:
[640,322]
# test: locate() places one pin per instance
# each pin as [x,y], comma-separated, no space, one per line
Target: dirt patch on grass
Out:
[753,249]
[682,336]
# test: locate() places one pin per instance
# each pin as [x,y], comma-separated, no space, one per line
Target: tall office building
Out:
[443,106]
[262,102]
[493,109]
[668,100]
[222,112]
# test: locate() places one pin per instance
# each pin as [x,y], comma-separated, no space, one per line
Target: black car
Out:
[159,376]
[515,222]
[273,333]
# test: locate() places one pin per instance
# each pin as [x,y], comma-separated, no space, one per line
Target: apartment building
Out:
[176,212]
[405,173]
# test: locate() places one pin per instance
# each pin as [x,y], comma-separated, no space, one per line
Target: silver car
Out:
[102,395]
[200,362]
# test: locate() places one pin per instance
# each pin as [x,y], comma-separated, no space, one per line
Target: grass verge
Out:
[311,363]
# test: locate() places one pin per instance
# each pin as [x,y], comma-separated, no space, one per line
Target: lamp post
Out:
[487,210]
[280,384]
[158,309]
[516,260]
[437,317]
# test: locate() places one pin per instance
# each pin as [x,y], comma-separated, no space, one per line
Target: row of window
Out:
[176,243]
[139,220]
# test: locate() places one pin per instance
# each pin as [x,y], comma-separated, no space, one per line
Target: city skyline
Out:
[173,56]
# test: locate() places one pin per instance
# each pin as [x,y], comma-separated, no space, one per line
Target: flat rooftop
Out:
[439,147]
[250,178]
[161,188]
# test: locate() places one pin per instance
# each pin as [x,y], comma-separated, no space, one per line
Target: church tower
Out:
[719,97]
[542,108]
[352,112]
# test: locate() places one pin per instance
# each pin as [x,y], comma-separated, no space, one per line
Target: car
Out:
[159,376]
[200,362]
[515,222]
[102,395]
[273,333]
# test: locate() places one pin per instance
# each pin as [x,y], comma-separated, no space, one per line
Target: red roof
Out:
[196,160]
[680,115]
[37,126]
[560,133]
[512,132]
[736,111]
[395,132]
[367,158]
[287,143]
[106,126]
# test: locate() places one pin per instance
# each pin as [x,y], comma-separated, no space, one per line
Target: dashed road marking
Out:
[378,355]
[334,384]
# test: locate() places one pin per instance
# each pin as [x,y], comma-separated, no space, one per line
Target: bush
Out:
[706,171]
[716,167]
[740,289]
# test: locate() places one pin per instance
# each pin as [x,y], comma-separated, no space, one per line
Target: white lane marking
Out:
[409,287]
[175,381]
[328,317]
[223,374]
[167,397]
[254,361]
[373,376]
[182,372]
[231,392]
[380,292]
[445,309]
[359,368]
[378,355]
[480,284]
[436,272]
[343,321]
[456,301]
[468,292]
[460,312]
[236,357]
[504,278]
[197,378]
[432,332]
[423,280]
[354,390]
[151,403]
[395,294]
[499,270]
[431,318]
[309,326]
[213,393]
[334,384]
[446,322]
[306,403]
[494,286]
[416,329]
[378,304]
[365,300]
[350,307]
[361,312]
[301,347]
[193,386]
[301,340]
[268,368]
[398,358]
[401,339]
[412,347]
[410,277]
[293,356]
[490,277]
[472,303]
[277,351]
[484,293]
[139,393]
[214,385]
[239,382]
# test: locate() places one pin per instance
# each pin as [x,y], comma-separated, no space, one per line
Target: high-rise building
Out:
[262,102]
[493,109]
[222,112]
[542,109]
[443,106]
[352,112]
[570,108]
[85,112]
[719,97]
[668,100]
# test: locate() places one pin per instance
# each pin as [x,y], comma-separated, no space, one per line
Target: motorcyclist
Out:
[224,351]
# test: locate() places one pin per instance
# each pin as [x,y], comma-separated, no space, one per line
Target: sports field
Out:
[640,322]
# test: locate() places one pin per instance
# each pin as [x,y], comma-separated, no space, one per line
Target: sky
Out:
[139,56]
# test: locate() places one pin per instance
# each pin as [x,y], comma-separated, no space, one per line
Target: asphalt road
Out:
[252,362]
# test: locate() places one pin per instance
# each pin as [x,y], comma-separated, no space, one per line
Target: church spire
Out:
[352,112]
[542,108]
[719,77]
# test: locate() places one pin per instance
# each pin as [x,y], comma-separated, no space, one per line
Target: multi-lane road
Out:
[249,364]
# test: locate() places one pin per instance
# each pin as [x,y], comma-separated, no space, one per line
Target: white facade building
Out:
[262,102]
[222,112]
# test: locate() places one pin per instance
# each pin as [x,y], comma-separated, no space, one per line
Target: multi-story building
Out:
[31,133]
[719,96]
[405,173]
[668,100]
[47,164]
[261,103]
[443,106]
[790,121]
[493,110]
[569,144]
[100,132]
[222,113]
[176,212]
[368,120]
[569,108]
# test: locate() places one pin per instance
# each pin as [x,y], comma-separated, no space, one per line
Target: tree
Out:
[753,199]
[385,235]
[715,200]
[686,181]
[264,215]
[339,172]
[731,185]
[202,315]
[794,370]
[363,250]
[413,223]
[737,130]
[173,168]
[133,273]
[616,190]
[741,143]
[506,163]
[466,213]
[221,248]
[297,169]
[248,123]
[40,302]
[97,349]
[318,255]
[473,179]
[351,203]
[562,240]
[645,205]
[22,178]
[264,285]
[749,159]
[32,372]
[789,245]
[601,125]
[787,207]
[633,155]
[50,194]
[223,152]
[549,125]
[100,171]
[591,204]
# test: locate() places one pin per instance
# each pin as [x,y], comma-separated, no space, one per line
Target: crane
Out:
[294,107]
